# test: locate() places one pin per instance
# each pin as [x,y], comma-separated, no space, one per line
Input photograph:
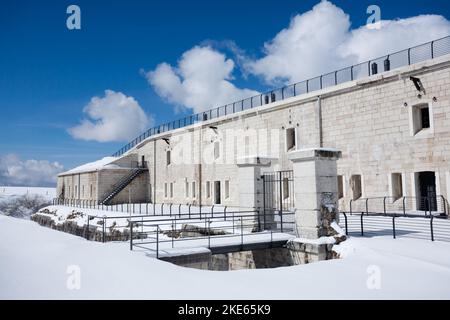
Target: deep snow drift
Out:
[34,263]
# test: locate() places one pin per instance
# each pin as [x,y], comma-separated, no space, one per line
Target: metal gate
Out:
[278,199]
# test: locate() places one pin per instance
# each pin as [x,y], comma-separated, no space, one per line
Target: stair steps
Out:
[122,184]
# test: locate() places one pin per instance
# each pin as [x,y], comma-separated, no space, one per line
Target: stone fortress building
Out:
[390,120]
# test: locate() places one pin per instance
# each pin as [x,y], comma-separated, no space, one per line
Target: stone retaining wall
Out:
[255,259]
[95,233]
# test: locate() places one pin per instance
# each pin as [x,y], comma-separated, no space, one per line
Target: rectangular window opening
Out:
[168,157]
[425,115]
[290,139]
[340,181]
[208,189]
[217,193]
[356,186]
[227,189]
[421,117]
[397,186]
[216,150]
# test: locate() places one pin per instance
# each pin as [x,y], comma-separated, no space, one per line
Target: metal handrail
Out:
[93,204]
[122,181]
[271,96]
[139,219]
[237,224]
[380,204]
[394,216]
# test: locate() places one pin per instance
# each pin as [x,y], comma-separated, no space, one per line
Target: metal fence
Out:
[411,226]
[118,227]
[385,63]
[148,208]
[278,195]
[238,228]
[415,206]
[143,227]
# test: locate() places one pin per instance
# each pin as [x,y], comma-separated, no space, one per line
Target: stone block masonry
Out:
[372,121]
[255,259]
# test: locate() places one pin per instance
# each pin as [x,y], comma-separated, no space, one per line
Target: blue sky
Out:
[48,73]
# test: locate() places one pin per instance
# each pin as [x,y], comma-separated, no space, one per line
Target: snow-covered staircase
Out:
[122,184]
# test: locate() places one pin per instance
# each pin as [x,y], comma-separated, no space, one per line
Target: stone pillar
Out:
[250,182]
[316,191]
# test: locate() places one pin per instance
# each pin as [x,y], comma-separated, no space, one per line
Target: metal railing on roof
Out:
[426,51]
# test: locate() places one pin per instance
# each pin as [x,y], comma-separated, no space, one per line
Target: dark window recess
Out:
[340,180]
[217,193]
[290,139]
[425,115]
[427,200]
[168,157]
[272,97]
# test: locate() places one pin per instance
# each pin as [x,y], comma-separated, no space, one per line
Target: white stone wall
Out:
[78,186]
[372,128]
[256,127]
[135,192]
[366,119]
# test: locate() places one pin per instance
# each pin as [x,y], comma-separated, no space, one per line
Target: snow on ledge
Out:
[181,252]
[319,241]
[337,228]
[323,240]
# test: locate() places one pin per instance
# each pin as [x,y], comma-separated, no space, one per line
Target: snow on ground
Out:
[48,193]
[21,202]
[411,227]
[119,220]
[34,264]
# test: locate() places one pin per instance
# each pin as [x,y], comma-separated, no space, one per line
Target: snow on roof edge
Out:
[90,166]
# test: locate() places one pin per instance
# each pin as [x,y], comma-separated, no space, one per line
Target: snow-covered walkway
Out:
[34,263]
[169,247]
[406,227]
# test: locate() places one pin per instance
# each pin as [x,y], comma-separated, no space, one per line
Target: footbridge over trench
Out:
[189,237]
[270,227]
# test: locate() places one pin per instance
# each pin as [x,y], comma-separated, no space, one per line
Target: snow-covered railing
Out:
[121,223]
[234,234]
[112,223]
[406,206]
[434,228]
[426,51]
[149,208]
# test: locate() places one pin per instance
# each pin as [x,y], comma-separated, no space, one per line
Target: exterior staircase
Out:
[125,181]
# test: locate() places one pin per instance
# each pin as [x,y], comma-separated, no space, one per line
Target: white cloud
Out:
[315,42]
[394,35]
[36,173]
[321,40]
[201,81]
[114,117]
